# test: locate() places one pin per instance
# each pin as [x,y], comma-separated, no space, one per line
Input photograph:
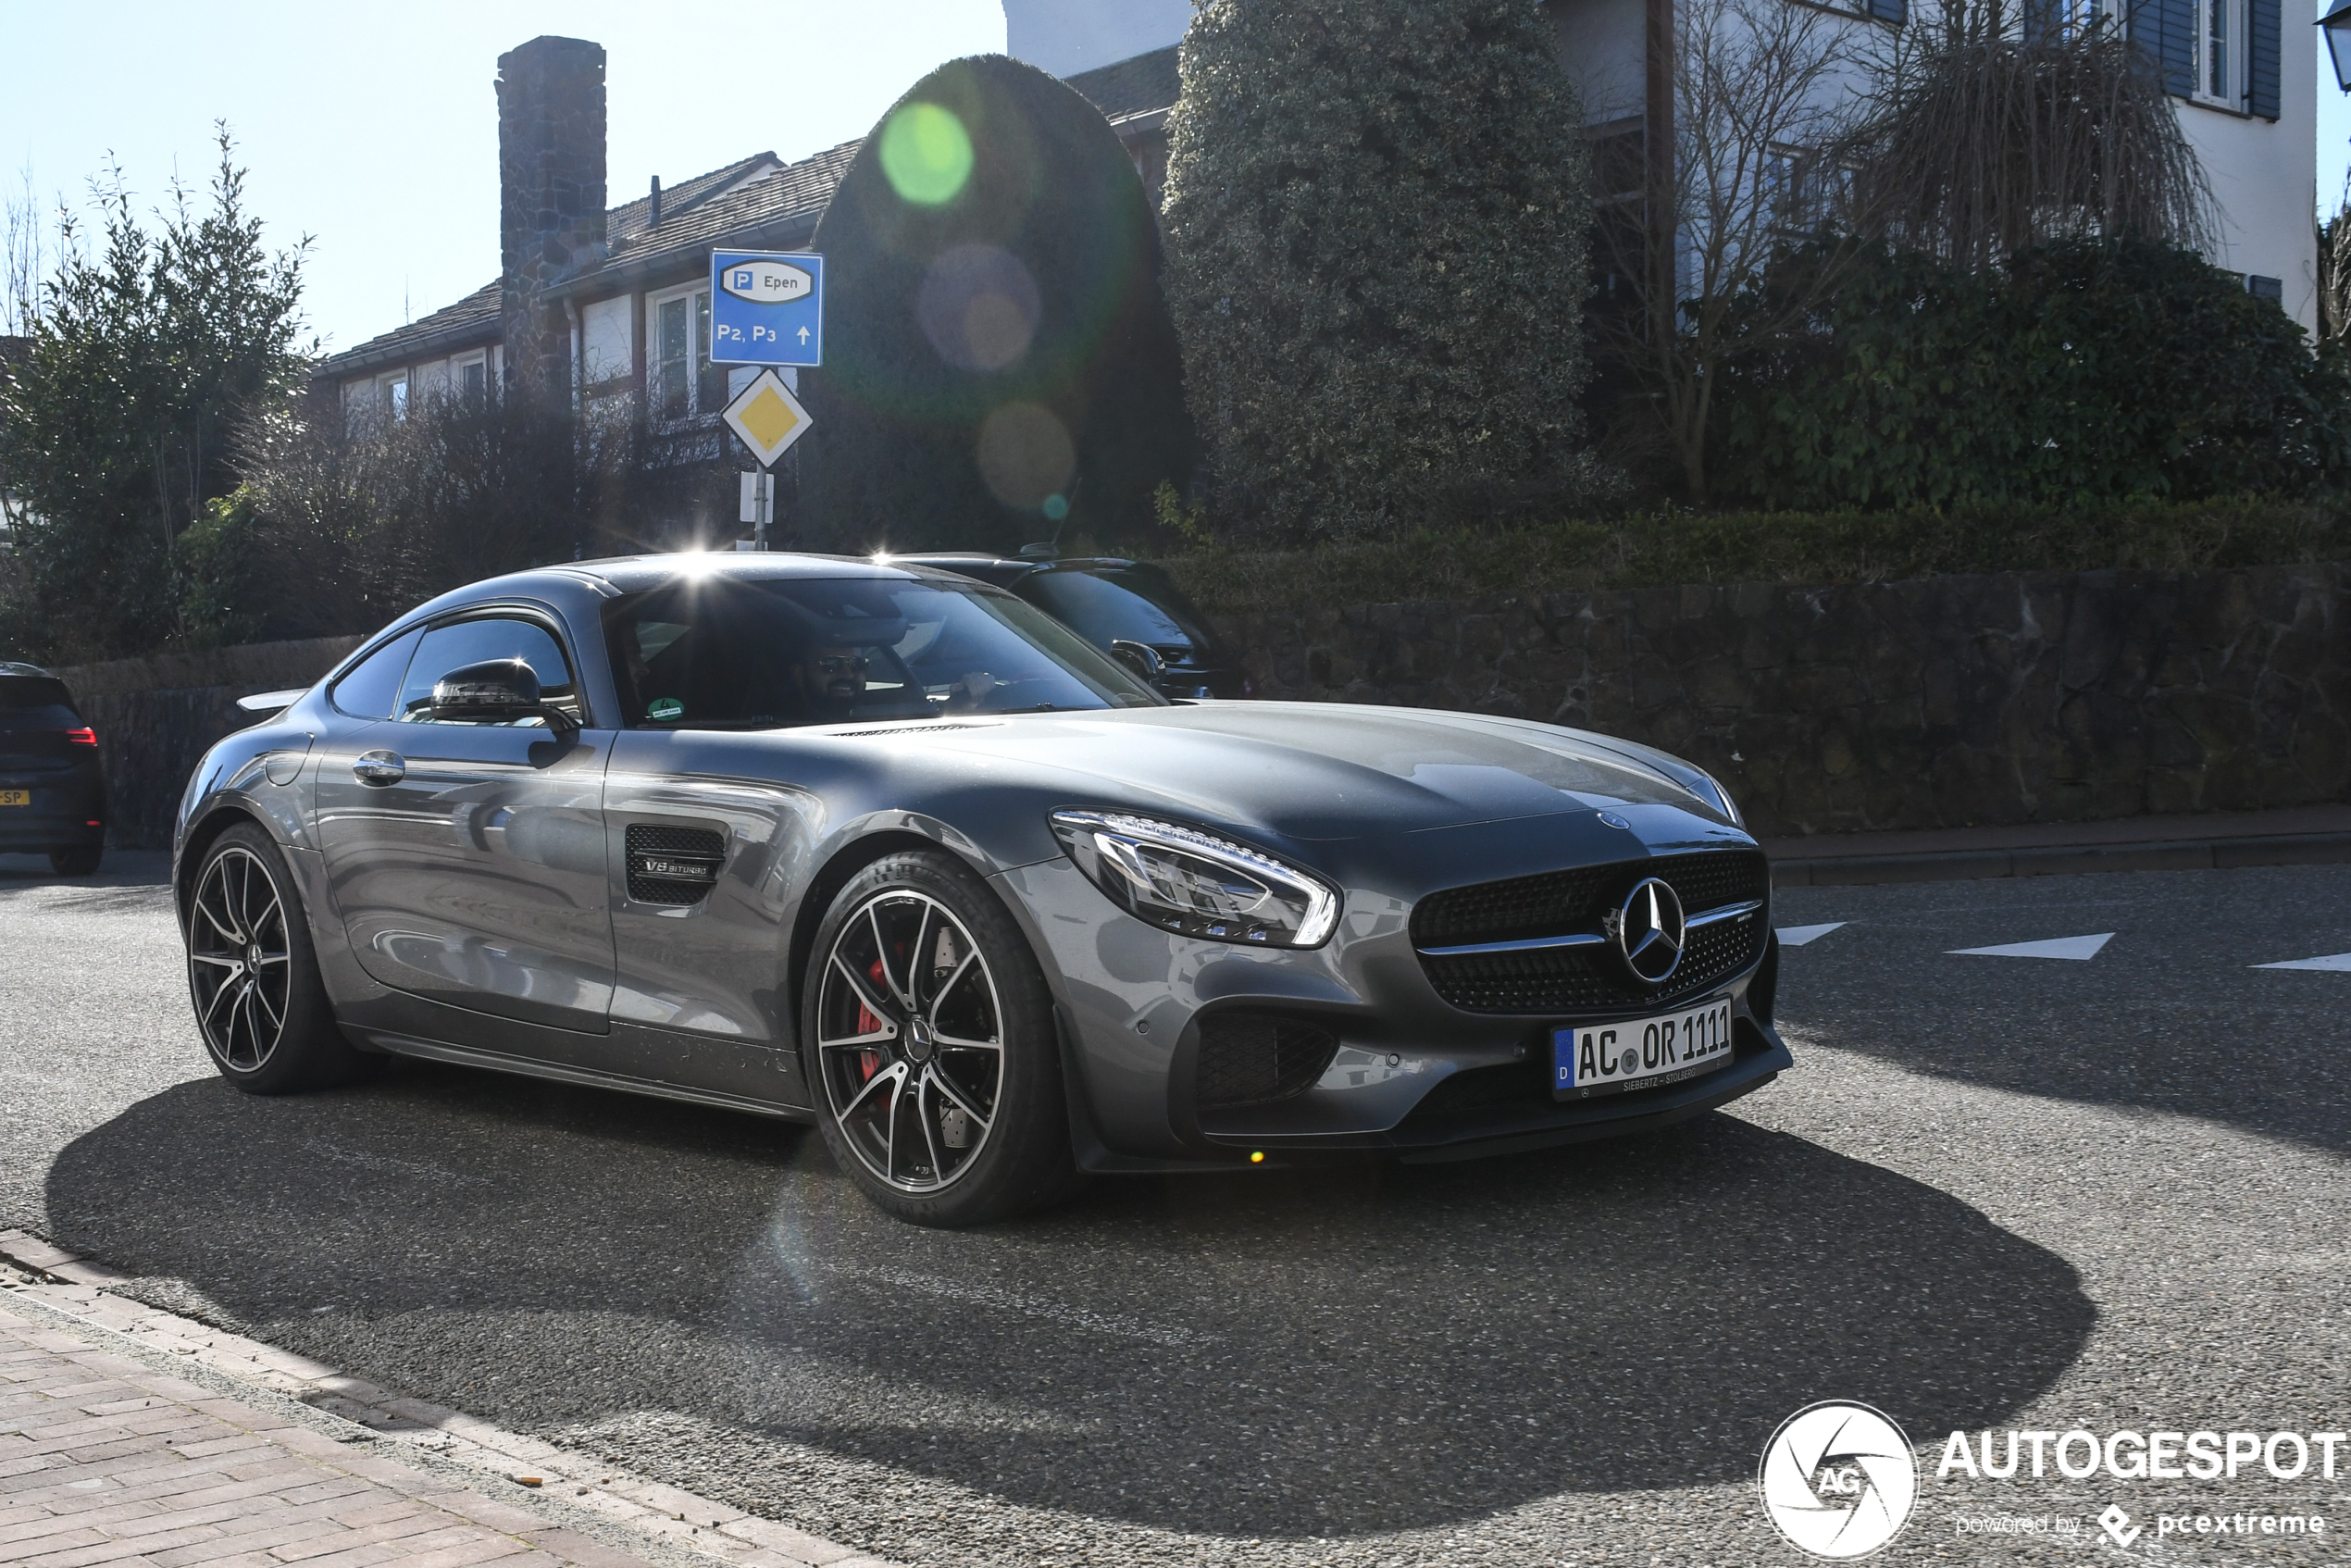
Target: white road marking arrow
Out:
[1797,936]
[2335,963]
[2076,948]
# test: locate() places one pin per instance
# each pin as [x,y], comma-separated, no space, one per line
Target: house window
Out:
[396,395]
[473,378]
[685,383]
[2219,28]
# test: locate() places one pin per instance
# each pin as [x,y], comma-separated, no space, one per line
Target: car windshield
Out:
[716,653]
[1122,602]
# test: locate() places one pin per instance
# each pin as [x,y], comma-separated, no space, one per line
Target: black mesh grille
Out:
[1558,902]
[651,844]
[1250,1058]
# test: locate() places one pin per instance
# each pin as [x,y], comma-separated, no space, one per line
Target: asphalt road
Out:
[1995,1193]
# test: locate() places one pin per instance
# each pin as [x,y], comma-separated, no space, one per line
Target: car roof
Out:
[631,574]
[12,667]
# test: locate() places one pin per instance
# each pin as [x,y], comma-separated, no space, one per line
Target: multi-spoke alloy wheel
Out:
[910,1040]
[929,1034]
[254,976]
[238,961]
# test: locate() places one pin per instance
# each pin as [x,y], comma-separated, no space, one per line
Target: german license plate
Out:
[1590,1059]
[16,797]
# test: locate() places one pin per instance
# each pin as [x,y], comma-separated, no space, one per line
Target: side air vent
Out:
[1253,1058]
[673,864]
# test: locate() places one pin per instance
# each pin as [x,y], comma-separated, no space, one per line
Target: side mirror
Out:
[494,692]
[1140,658]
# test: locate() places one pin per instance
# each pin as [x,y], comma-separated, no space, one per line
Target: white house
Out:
[2241,74]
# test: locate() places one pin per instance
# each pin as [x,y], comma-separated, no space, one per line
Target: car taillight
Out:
[85,736]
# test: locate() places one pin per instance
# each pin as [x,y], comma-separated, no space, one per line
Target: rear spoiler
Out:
[268,705]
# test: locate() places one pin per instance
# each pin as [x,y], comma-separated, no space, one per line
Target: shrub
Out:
[1673,546]
[1000,361]
[114,434]
[340,526]
[1377,216]
[2083,371]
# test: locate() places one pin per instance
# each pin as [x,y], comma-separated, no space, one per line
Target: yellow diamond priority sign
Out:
[767,417]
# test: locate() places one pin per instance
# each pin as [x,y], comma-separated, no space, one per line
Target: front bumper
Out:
[1412,1078]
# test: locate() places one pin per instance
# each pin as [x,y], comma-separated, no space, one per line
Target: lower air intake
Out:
[1255,1058]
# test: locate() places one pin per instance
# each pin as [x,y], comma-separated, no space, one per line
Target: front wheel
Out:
[929,1034]
[253,975]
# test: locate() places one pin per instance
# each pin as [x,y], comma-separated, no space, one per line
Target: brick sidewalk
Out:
[105,1460]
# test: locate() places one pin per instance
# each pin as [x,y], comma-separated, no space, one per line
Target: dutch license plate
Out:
[16,797]
[1591,1059]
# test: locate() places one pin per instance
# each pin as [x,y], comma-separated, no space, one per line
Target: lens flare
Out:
[1025,454]
[978,307]
[927,154]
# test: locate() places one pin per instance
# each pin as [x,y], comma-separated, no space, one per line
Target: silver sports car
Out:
[893,851]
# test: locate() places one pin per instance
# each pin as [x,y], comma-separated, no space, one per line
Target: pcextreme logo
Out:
[1838,1480]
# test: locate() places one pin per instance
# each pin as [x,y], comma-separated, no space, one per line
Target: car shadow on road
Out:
[1275,1353]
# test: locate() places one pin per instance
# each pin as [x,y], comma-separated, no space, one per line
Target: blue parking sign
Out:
[766,308]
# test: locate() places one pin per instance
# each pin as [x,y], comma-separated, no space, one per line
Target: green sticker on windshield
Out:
[664,709]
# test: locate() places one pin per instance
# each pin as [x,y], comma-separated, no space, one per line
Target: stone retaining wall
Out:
[1944,702]
[155,718]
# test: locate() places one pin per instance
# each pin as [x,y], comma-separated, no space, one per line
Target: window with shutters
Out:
[2218,43]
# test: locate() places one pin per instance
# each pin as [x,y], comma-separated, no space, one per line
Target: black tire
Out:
[887,1061]
[250,970]
[80,861]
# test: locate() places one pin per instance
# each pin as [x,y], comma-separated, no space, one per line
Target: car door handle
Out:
[379,767]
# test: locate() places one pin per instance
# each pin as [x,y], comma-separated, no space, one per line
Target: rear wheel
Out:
[253,975]
[80,861]
[929,1034]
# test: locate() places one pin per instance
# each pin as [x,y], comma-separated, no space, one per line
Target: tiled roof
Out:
[1145,84]
[750,195]
[785,198]
[471,319]
[683,197]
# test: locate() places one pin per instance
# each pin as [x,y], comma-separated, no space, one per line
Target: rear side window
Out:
[21,691]
[369,686]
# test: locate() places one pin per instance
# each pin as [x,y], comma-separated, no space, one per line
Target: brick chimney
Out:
[551,196]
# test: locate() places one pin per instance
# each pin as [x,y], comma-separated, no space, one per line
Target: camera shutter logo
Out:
[1838,1480]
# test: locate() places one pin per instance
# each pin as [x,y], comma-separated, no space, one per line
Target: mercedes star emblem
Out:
[1649,931]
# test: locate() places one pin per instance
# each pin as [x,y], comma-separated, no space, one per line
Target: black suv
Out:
[1130,609]
[53,795]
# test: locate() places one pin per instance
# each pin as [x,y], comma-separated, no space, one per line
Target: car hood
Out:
[1312,770]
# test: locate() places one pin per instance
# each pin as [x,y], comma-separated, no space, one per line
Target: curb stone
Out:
[695,1529]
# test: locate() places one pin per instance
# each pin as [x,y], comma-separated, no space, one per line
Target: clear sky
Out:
[374,129]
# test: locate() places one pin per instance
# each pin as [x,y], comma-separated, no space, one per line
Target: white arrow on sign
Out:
[803,337]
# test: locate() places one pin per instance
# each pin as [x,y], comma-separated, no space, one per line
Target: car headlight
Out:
[1196,883]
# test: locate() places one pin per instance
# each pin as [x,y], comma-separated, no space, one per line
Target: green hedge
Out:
[1668,548]
[2082,371]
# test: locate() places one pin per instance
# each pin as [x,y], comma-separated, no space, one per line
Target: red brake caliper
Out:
[869,1062]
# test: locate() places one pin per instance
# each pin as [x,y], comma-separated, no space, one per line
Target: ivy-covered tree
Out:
[1376,217]
[115,434]
[998,364]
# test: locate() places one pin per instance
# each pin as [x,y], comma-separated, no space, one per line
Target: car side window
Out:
[459,643]
[368,689]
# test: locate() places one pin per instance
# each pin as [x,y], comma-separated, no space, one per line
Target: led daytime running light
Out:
[1113,850]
